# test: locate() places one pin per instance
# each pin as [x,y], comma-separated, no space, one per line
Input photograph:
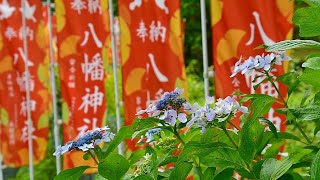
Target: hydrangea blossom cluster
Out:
[259,62]
[171,108]
[168,107]
[87,141]
[206,115]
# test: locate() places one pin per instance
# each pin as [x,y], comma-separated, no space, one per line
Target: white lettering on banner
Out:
[265,38]
[236,82]
[91,100]
[93,34]
[138,105]
[160,76]
[156,31]
[10,33]
[23,57]
[22,80]
[93,69]
[72,70]
[29,33]
[78,5]
[93,6]
[29,11]
[156,97]
[6,10]
[12,139]
[88,122]
[159,3]
[10,85]
[142,31]
[24,136]
[24,106]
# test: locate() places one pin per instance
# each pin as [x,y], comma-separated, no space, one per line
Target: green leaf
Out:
[140,124]
[273,169]
[124,132]
[312,2]
[305,97]
[311,77]
[209,173]
[272,128]
[292,44]
[199,149]
[114,167]
[71,174]
[308,19]
[223,158]
[136,155]
[291,80]
[315,167]
[252,130]
[286,135]
[312,63]
[217,135]
[181,171]
[308,113]
[143,177]
[226,174]
[100,154]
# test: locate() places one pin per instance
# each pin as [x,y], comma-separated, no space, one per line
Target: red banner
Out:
[83,43]
[14,129]
[238,28]
[151,52]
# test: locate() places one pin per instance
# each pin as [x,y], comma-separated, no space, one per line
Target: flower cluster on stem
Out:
[87,141]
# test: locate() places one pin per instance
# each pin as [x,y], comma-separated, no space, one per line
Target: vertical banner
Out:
[83,42]
[151,52]
[236,34]
[14,128]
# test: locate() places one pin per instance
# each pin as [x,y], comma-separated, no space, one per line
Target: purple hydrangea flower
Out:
[259,62]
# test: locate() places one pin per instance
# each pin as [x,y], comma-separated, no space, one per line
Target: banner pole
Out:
[115,75]
[29,120]
[204,47]
[1,168]
[53,90]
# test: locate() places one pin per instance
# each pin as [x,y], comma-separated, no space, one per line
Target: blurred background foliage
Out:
[190,12]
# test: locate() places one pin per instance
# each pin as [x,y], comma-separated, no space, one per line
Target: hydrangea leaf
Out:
[292,44]
[71,174]
[315,167]
[114,167]
[308,19]
[181,171]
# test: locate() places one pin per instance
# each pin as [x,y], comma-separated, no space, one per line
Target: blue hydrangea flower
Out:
[87,141]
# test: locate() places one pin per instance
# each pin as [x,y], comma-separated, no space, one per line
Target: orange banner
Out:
[238,28]
[151,52]
[83,48]
[14,129]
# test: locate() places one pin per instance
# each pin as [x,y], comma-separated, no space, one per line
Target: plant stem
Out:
[285,103]
[229,137]
[301,131]
[233,125]
[92,155]
[276,88]
[198,167]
